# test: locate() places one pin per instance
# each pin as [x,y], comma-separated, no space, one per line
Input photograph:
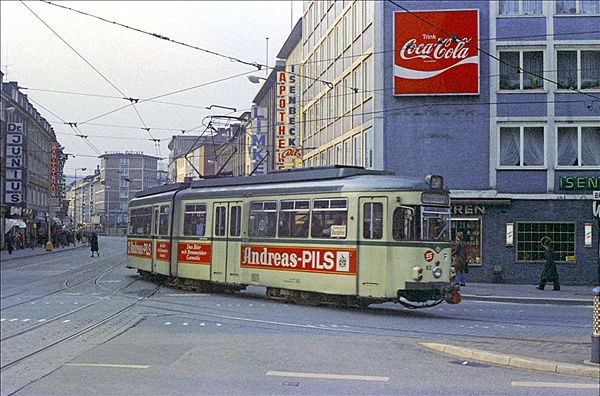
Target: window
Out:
[471,229]
[139,221]
[404,224]
[194,219]
[521,7]
[529,236]
[220,220]
[578,69]
[263,219]
[294,219]
[373,220]
[578,146]
[521,70]
[329,218]
[435,224]
[235,222]
[571,7]
[522,146]
[163,223]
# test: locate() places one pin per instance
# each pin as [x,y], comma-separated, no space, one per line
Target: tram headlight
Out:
[437,272]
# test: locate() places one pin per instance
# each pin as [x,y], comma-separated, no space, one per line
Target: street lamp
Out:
[75,197]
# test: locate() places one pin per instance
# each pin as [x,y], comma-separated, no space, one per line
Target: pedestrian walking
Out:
[460,260]
[9,242]
[94,244]
[549,274]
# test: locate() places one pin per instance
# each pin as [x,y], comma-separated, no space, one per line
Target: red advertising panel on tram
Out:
[436,52]
[304,259]
[193,253]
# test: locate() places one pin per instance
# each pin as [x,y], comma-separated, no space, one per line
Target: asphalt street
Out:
[525,354]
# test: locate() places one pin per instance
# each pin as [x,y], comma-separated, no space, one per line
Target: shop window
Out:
[521,7]
[194,219]
[521,70]
[471,229]
[578,146]
[522,146]
[578,69]
[529,237]
[574,7]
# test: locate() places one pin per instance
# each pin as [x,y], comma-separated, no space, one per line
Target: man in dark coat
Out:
[94,244]
[549,274]
[460,262]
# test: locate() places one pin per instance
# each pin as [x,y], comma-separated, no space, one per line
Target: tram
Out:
[337,235]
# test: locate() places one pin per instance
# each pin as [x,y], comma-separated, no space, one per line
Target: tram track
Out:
[48,344]
[65,284]
[409,331]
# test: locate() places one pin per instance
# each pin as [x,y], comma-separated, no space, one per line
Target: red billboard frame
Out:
[436,52]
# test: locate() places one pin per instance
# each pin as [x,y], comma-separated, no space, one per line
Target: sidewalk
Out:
[563,358]
[38,251]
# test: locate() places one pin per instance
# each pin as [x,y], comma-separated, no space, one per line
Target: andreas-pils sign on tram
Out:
[436,53]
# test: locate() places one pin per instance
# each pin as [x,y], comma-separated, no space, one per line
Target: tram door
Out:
[161,247]
[372,256]
[226,240]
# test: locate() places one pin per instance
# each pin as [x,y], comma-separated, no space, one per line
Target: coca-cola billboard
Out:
[436,52]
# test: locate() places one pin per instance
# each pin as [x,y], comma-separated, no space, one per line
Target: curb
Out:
[6,257]
[516,361]
[529,300]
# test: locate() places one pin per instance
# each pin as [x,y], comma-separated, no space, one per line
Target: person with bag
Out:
[460,261]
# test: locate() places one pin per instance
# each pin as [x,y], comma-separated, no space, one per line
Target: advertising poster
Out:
[436,53]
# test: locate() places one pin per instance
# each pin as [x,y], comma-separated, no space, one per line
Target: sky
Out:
[84,74]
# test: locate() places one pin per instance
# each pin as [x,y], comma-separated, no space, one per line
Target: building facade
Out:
[499,97]
[32,186]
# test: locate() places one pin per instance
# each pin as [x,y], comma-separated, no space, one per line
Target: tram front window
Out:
[425,223]
[435,224]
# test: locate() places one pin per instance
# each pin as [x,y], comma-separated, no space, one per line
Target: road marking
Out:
[328,376]
[188,295]
[131,366]
[555,385]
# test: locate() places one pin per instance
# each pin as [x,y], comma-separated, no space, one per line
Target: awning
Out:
[10,223]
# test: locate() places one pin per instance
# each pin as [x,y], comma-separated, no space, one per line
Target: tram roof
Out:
[325,179]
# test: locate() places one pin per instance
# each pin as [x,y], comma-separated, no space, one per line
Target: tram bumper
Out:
[421,292]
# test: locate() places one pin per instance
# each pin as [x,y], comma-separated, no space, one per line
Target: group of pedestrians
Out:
[58,239]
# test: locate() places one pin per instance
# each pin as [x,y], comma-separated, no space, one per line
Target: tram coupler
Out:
[453,295]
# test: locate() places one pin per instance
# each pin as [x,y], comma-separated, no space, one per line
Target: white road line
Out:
[555,385]
[328,376]
[131,366]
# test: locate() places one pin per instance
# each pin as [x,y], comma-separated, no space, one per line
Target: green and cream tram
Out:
[340,235]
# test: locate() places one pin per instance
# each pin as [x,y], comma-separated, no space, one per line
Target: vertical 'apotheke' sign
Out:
[436,52]
[287,139]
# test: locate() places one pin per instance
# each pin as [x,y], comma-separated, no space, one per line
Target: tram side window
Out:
[404,227]
[329,218]
[373,220]
[263,219]
[220,216]
[140,221]
[194,219]
[163,223]
[235,222]
[294,219]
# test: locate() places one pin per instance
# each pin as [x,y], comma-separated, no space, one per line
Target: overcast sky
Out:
[77,68]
